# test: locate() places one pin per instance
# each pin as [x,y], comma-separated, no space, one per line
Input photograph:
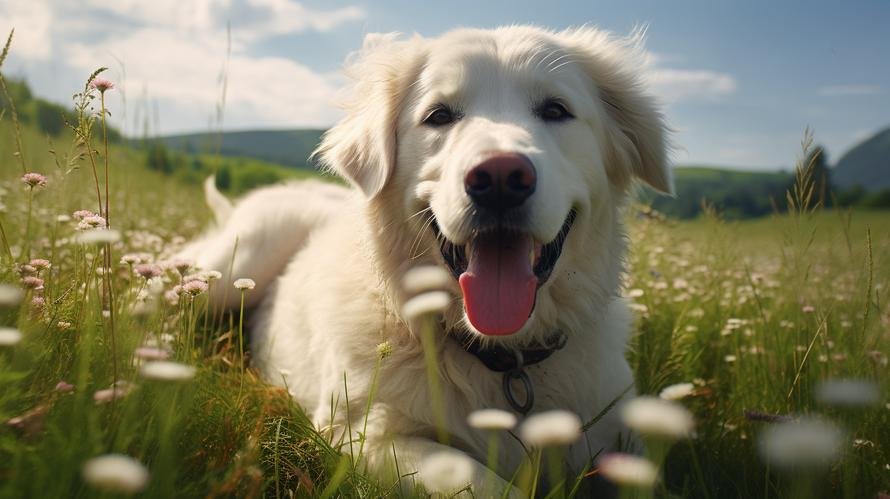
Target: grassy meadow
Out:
[756,315]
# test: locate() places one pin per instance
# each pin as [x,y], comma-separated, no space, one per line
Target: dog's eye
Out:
[553,110]
[440,116]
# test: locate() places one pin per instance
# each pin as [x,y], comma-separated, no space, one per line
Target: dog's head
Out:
[504,155]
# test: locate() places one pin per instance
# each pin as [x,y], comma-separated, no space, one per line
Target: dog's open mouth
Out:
[500,271]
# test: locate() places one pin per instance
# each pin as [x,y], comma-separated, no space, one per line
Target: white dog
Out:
[503,156]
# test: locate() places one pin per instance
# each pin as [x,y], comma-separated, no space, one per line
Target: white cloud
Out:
[182,70]
[675,85]
[32,21]
[173,51]
[848,90]
[284,16]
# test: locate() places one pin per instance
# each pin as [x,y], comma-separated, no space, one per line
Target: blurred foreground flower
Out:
[550,428]
[445,472]
[9,336]
[806,443]
[116,473]
[162,370]
[491,419]
[655,417]
[848,392]
[676,392]
[99,236]
[426,278]
[628,470]
[10,296]
[431,302]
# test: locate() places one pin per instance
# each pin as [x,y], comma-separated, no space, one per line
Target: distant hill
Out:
[866,165]
[734,193]
[285,147]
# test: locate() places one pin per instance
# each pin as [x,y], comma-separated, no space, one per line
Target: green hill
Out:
[284,147]
[734,193]
[866,165]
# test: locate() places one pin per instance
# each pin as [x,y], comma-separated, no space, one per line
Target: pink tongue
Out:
[499,285]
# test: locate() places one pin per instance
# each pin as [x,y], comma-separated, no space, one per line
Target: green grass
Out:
[793,281]
[801,281]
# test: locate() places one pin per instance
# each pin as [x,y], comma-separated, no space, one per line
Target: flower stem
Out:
[430,351]
[26,251]
[105,157]
[241,331]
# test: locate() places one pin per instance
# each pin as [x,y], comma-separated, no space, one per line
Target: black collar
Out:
[502,359]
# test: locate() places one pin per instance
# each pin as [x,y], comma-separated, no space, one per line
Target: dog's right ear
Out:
[362,146]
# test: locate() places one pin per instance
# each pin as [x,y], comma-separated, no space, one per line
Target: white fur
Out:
[328,260]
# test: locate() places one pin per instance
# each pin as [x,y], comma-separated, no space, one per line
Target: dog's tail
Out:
[219,204]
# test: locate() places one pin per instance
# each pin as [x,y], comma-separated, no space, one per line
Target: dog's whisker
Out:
[428,208]
[564,64]
[554,61]
[417,238]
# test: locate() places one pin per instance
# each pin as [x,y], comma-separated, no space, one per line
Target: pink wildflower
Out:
[151,353]
[32,282]
[81,214]
[64,387]
[172,295]
[34,179]
[181,266]
[40,264]
[91,222]
[195,287]
[148,270]
[26,269]
[118,390]
[101,84]
[130,259]
[38,302]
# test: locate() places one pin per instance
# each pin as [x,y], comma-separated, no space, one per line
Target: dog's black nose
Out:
[501,182]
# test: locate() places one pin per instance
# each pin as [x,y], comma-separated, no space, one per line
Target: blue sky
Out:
[739,80]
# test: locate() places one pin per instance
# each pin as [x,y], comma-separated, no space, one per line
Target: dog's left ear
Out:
[362,146]
[637,132]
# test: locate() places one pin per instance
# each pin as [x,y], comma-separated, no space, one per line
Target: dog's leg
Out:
[406,454]
[257,237]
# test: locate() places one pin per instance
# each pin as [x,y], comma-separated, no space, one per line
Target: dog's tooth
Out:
[531,256]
